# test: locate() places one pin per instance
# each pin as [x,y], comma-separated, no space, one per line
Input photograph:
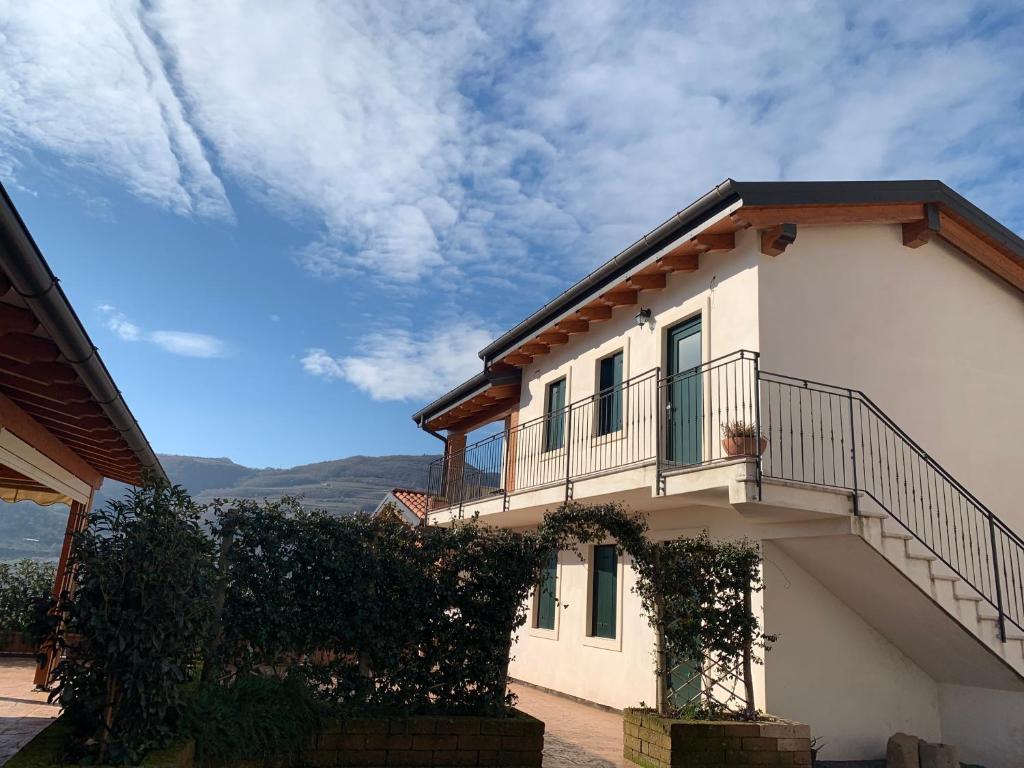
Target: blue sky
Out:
[288,225]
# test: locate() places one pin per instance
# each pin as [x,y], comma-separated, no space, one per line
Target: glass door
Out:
[685,401]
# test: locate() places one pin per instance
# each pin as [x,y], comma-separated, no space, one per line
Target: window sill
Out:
[604,643]
[543,634]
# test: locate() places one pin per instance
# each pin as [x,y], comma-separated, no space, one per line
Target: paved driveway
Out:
[574,734]
[23,710]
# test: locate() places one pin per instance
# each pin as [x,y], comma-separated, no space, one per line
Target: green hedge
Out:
[25,595]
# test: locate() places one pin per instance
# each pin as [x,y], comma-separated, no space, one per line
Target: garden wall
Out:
[434,742]
[653,741]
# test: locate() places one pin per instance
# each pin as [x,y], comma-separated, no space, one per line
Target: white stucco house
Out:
[872,333]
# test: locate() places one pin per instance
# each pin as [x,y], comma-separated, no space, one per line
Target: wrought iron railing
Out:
[832,436]
[676,422]
[799,430]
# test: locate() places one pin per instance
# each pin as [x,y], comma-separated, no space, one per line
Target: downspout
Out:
[429,431]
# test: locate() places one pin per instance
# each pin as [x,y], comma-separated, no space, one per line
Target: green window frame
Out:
[604,592]
[547,595]
[609,397]
[554,416]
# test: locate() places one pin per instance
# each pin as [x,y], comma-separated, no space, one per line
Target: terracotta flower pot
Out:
[745,445]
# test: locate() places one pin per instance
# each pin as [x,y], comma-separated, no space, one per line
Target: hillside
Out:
[341,487]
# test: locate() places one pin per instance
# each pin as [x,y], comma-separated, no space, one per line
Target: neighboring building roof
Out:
[50,368]
[928,207]
[411,504]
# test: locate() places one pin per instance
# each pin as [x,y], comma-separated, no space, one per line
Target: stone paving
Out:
[23,710]
[574,734]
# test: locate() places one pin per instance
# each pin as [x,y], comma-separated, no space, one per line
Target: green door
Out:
[685,403]
[605,591]
[546,603]
[683,685]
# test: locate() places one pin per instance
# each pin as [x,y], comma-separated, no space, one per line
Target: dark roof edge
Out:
[466,390]
[753,193]
[38,286]
[696,213]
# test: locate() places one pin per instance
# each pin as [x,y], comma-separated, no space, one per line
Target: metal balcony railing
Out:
[797,431]
[675,421]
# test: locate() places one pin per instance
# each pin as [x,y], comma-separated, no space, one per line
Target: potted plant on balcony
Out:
[740,438]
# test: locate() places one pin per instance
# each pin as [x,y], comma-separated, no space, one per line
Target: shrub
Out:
[25,595]
[254,716]
[136,617]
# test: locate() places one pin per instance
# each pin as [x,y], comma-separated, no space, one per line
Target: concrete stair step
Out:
[918,551]
[893,530]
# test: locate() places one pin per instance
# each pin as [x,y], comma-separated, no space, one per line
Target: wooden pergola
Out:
[64,426]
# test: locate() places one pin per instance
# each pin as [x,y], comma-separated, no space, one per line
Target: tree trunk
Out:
[748,652]
[662,672]
[219,597]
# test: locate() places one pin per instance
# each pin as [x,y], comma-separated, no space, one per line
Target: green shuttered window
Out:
[554,427]
[546,594]
[609,401]
[605,591]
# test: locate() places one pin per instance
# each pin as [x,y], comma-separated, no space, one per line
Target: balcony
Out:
[627,438]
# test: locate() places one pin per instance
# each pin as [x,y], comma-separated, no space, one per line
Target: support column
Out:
[454,459]
[78,518]
[511,435]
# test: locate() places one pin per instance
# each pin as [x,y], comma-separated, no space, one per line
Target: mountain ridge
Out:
[339,486]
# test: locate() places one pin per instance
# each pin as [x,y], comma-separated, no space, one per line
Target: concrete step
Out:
[892,529]
[919,551]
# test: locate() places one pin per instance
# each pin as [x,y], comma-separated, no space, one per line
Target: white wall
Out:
[723,291]
[833,671]
[617,673]
[987,725]
[929,335]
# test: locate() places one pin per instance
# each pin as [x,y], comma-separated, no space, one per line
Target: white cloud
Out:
[443,141]
[182,343]
[85,81]
[188,344]
[119,324]
[399,366]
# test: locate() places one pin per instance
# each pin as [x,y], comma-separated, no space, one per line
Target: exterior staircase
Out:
[909,510]
[934,578]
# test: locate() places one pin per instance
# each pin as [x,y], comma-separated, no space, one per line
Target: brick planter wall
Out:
[653,741]
[429,742]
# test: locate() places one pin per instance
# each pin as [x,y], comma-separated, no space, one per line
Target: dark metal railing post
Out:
[998,581]
[853,454]
[757,420]
[505,469]
[568,449]
[657,431]
[462,483]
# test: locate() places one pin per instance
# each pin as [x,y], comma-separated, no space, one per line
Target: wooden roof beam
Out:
[58,393]
[828,215]
[650,281]
[708,242]
[552,338]
[620,297]
[534,348]
[917,233]
[594,312]
[573,325]
[777,239]
[41,373]
[28,349]
[681,262]
[993,258]
[517,358]
[16,320]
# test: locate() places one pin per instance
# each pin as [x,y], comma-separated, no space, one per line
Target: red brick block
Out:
[433,741]
[455,758]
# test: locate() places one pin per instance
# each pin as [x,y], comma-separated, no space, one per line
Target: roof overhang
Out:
[51,372]
[487,396]
[925,209]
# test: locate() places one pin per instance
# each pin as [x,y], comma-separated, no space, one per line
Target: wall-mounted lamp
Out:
[642,317]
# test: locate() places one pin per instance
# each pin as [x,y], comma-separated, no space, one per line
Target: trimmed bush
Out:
[135,621]
[25,596]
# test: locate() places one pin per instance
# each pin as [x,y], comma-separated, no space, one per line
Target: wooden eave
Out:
[778,225]
[483,407]
[39,382]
